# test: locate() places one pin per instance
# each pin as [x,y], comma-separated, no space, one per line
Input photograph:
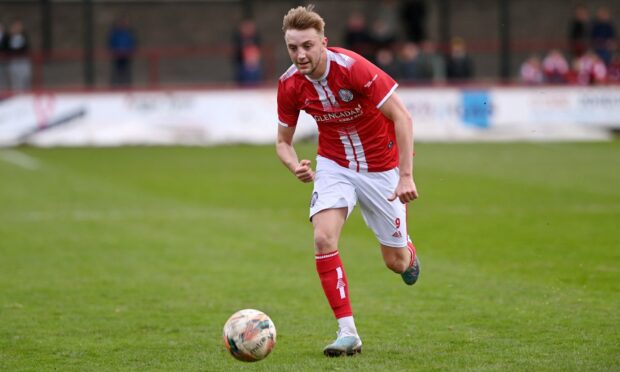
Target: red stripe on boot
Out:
[411,248]
[334,282]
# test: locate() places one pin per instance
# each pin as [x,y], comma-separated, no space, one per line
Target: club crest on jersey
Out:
[345,95]
[315,196]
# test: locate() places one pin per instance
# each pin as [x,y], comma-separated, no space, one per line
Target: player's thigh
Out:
[332,188]
[387,219]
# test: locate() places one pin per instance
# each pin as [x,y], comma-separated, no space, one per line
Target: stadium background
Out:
[188,42]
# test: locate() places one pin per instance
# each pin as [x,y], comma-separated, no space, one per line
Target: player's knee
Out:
[325,242]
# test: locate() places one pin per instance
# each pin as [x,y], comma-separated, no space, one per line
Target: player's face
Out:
[307,51]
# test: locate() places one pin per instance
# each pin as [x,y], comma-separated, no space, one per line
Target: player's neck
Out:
[319,72]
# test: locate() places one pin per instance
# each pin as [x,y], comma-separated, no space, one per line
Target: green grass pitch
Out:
[133,259]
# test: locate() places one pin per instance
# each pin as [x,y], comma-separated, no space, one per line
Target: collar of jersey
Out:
[328,53]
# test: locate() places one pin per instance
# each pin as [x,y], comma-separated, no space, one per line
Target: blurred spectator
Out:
[382,36]
[251,71]
[459,65]
[613,72]
[590,69]
[579,31]
[248,58]
[555,67]
[383,31]
[413,16]
[356,36]
[386,61]
[3,78]
[603,35]
[431,64]
[122,45]
[408,61]
[16,47]
[531,71]
[388,12]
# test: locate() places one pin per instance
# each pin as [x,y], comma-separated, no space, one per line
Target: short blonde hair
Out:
[303,18]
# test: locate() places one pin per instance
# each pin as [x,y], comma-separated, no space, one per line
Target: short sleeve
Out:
[372,82]
[288,113]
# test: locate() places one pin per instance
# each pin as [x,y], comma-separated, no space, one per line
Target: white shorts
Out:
[339,187]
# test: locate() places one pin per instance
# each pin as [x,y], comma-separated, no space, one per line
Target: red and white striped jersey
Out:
[345,104]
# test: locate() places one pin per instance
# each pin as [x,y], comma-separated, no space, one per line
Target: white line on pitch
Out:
[20,159]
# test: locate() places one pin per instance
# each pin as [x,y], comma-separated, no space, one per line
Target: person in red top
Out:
[364,156]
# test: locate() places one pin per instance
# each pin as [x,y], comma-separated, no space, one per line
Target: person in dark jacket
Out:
[247,54]
[16,48]
[579,32]
[4,85]
[459,66]
[603,35]
[122,46]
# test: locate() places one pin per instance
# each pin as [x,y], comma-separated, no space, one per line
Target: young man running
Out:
[364,156]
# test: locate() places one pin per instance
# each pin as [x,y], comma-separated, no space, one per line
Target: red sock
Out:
[334,282]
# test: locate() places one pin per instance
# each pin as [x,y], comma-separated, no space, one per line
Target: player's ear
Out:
[324,41]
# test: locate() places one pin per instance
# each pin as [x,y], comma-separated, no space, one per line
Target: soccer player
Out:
[364,156]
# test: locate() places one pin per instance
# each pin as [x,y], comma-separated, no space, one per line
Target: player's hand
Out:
[304,171]
[406,190]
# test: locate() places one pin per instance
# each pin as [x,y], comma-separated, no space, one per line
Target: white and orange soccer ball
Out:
[249,335]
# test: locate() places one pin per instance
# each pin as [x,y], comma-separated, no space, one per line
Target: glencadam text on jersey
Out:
[341,116]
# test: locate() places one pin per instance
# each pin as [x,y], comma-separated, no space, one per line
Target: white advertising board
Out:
[249,116]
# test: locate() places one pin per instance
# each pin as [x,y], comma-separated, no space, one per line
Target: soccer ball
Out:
[249,335]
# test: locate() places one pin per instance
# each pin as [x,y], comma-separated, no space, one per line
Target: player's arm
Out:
[286,152]
[395,110]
